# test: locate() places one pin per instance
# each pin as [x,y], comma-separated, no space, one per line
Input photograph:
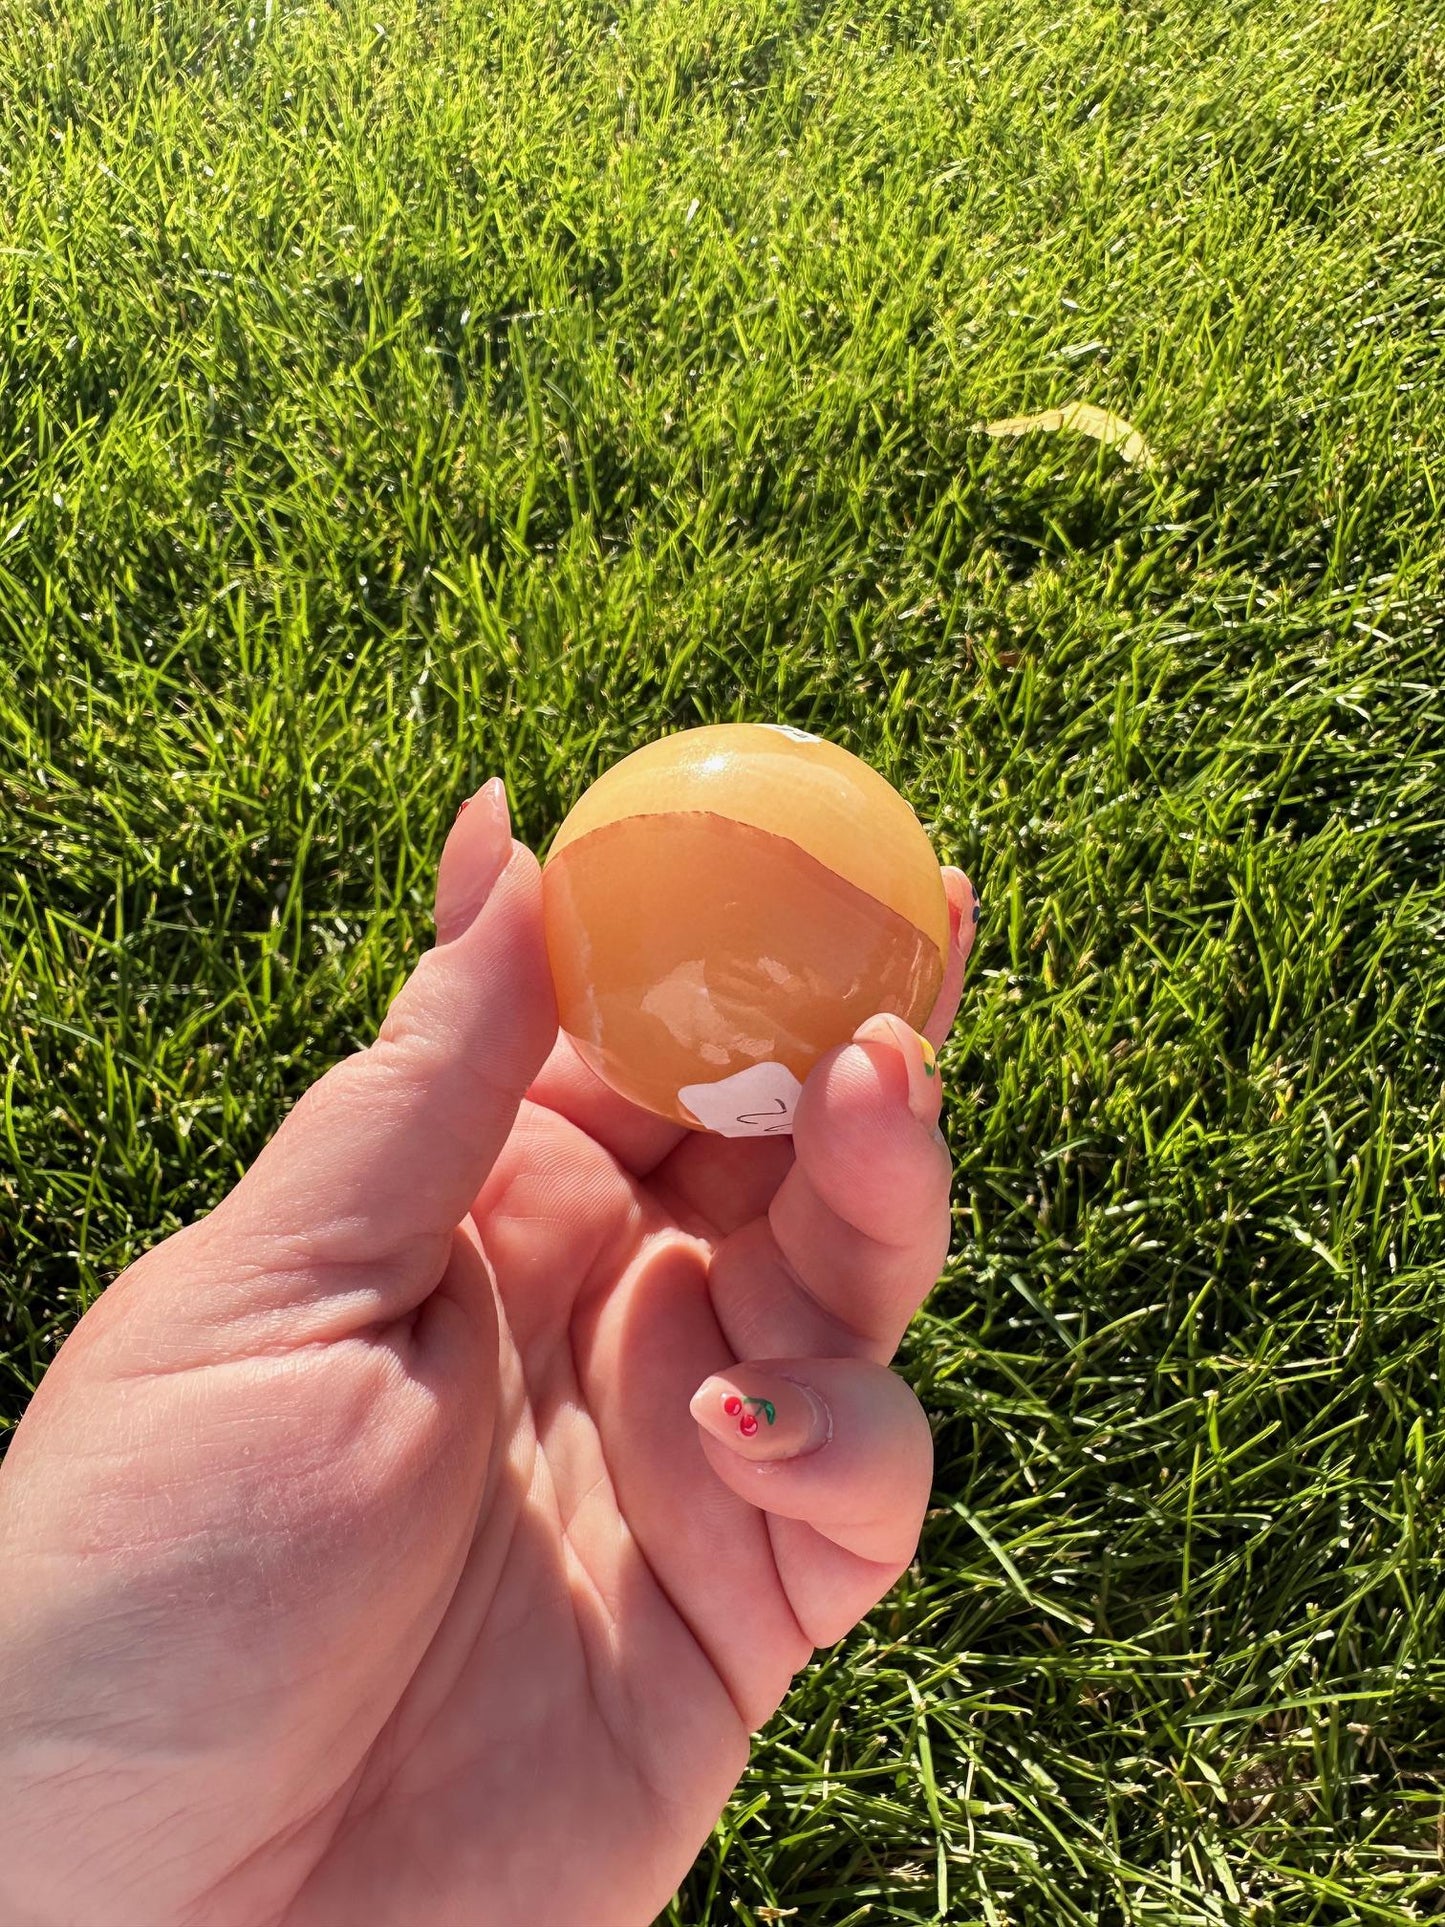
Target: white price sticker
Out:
[757,1102]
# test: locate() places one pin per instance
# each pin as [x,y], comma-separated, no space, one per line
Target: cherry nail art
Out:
[737,1408]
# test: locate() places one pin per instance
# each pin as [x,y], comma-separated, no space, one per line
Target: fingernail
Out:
[920,1062]
[955,914]
[762,1415]
[484,851]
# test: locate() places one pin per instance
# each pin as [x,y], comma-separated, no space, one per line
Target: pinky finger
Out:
[838,1452]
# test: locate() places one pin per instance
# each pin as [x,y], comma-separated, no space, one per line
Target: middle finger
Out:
[858,1230]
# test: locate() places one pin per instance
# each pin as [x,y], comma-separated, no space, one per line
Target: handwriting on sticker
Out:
[757,1101]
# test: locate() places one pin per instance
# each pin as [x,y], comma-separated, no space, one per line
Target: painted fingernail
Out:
[762,1415]
[920,1062]
[486,852]
[955,910]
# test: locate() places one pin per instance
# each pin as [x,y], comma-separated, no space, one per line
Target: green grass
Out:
[395,393]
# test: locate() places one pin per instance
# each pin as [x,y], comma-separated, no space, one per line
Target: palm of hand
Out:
[618,1624]
[447,1605]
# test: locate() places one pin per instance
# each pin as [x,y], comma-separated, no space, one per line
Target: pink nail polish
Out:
[482,852]
[919,1059]
[761,1415]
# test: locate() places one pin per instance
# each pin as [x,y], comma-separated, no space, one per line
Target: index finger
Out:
[963,912]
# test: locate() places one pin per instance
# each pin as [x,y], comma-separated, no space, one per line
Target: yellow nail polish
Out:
[920,1061]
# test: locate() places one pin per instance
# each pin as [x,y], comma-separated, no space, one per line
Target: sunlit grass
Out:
[391,395]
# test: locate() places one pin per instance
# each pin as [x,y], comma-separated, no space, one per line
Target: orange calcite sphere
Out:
[727,904]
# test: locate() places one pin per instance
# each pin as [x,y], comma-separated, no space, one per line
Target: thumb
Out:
[380,1160]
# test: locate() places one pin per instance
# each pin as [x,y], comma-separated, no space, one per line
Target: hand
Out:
[362,1559]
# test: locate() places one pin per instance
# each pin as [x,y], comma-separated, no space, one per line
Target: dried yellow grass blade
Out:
[1084,419]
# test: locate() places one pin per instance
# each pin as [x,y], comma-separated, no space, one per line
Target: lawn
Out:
[398,393]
